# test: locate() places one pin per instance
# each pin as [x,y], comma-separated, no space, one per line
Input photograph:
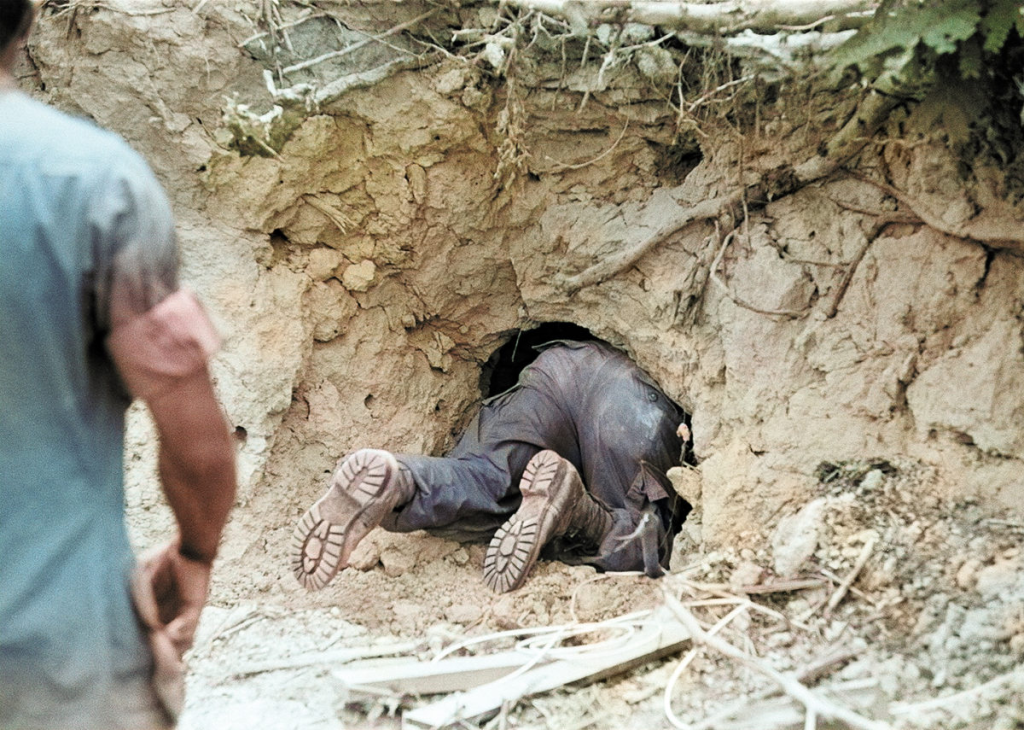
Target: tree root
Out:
[774,184]
[314,97]
[714,18]
[356,46]
[881,221]
[735,299]
[997,233]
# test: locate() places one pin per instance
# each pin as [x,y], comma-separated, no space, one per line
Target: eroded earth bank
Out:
[850,351]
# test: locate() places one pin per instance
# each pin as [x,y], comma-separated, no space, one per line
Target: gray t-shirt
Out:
[81,216]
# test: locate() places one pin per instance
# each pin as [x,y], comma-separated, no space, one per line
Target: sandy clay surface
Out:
[929,634]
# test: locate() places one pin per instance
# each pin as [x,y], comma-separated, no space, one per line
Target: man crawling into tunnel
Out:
[569,464]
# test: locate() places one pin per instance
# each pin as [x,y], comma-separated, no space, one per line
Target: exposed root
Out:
[714,18]
[623,260]
[999,232]
[778,183]
[339,219]
[313,97]
[356,46]
[579,166]
[881,221]
[76,5]
[735,299]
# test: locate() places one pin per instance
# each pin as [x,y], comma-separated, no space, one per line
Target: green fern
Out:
[938,27]
[949,54]
[1002,16]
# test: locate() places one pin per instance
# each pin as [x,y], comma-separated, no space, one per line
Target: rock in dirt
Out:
[796,538]
[998,577]
[407,614]
[967,575]
[746,573]
[686,482]
[397,561]
[464,613]
[366,556]
[358,277]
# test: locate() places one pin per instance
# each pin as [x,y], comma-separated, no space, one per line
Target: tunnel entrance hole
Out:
[501,371]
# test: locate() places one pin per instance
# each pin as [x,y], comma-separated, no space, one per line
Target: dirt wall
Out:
[363,276]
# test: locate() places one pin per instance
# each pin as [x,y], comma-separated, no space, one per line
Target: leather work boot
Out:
[365,487]
[554,504]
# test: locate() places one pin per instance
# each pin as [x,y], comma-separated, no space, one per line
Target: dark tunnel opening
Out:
[502,369]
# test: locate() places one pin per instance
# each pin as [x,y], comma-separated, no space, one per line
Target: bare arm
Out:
[197,467]
[161,356]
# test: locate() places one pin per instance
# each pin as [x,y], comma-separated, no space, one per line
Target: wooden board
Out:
[425,678]
[661,636]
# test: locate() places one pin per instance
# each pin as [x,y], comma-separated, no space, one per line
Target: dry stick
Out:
[685,662]
[862,560]
[821,667]
[853,590]
[739,302]
[339,219]
[339,656]
[778,586]
[781,586]
[942,702]
[356,46]
[811,673]
[820,706]
[709,94]
[745,601]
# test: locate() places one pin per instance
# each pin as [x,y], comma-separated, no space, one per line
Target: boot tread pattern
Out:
[508,556]
[514,548]
[318,545]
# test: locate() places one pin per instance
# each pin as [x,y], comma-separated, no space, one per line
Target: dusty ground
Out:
[930,635]
[364,275]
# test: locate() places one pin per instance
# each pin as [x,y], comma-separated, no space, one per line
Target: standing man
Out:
[91,316]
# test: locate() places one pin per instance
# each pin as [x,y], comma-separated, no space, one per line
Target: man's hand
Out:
[177,586]
[169,591]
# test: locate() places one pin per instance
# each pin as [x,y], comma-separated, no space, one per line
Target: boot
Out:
[365,487]
[555,504]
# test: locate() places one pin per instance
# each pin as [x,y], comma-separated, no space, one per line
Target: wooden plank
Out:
[424,678]
[661,635]
[314,658]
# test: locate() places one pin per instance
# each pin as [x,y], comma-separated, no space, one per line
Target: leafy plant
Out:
[947,53]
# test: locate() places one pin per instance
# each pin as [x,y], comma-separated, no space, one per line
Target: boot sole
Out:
[330,530]
[514,549]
